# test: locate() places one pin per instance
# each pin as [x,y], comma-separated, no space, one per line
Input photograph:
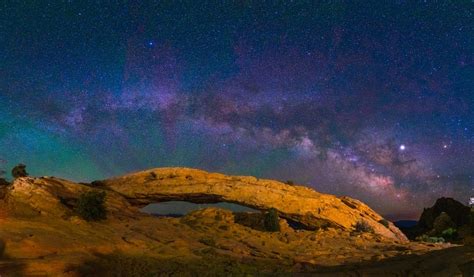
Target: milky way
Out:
[374,101]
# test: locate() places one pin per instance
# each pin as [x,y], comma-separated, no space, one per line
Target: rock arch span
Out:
[297,203]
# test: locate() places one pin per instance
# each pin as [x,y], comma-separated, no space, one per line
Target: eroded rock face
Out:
[297,203]
[52,196]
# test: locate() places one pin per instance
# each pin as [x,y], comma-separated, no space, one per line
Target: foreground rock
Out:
[41,235]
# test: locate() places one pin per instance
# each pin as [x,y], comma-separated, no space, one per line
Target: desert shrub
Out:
[97,183]
[152,176]
[385,223]
[289,182]
[224,227]
[426,238]
[251,220]
[208,241]
[436,240]
[423,237]
[271,221]
[441,223]
[449,234]
[363,226]
[19,171]
[90,205]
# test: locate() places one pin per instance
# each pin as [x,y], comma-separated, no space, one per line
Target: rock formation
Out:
[297,203]
[42,235]
[458,213]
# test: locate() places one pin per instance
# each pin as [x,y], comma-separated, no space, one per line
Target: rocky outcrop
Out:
[296,203]
[125,195]
[458,213]
[52,196]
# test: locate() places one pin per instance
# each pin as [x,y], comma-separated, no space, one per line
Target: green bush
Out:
[385,223]
[90,205]
[363,226]
[436,240]
[426,238]
[271,221]
[449,234]
[441,223]
[423,237]
[19,171]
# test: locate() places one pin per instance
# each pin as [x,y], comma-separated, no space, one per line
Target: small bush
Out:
[363,226]
[289,182]
[97,183]
[436,240]
[172,176]
[151,177]
[423,237]
[449,234]
[426,238]
[385,223]
[271,221]
[251,220]
[90,205]
[208,241]
[441,223]
[19,171]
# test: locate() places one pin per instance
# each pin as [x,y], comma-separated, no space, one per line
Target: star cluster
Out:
[371,99]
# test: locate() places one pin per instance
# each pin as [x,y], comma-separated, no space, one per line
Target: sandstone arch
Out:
[297,203]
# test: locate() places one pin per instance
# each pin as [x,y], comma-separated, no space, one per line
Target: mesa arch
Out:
[301,204]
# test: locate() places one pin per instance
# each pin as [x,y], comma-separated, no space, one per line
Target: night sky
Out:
[374,100]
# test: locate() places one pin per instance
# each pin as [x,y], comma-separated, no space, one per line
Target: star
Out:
[402,147]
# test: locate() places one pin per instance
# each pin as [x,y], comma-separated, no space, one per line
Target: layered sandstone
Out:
[301,204]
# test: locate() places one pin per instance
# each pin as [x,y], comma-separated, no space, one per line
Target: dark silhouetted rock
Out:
[458,213]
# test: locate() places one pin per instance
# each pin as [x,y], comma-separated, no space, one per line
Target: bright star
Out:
[402,147]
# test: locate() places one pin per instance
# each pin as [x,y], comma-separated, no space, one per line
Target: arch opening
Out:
[181,208]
